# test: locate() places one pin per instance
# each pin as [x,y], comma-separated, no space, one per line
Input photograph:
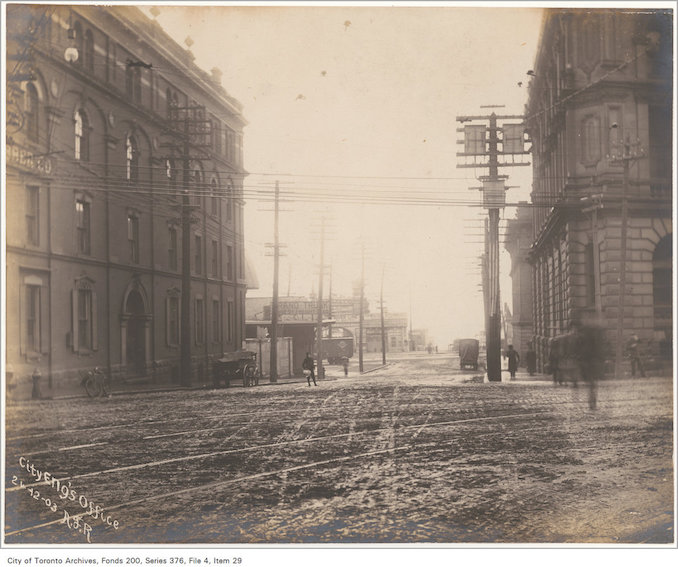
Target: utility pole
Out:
[329,330]
[362,316]
[383,328]
[274,303]
[319,329]
[481,142]
[411,345]
[594,205]
[628,155]
[187,123]
[186,366]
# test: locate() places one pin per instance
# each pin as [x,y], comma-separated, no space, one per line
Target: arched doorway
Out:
[662,293]
[135,323]
[136,335]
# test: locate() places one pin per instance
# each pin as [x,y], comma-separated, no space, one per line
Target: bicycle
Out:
[96,383]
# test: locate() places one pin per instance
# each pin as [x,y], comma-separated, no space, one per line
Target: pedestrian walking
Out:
[344,362]
[632,350]
[554,361]
[589,352]
[531,359]
[309,365]
[36,394]
[513,359]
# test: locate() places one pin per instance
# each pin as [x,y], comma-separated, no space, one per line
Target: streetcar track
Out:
[284,471]
[276,444]
[241,427]
[550,402]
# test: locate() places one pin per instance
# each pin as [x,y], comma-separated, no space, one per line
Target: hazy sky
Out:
[359,104]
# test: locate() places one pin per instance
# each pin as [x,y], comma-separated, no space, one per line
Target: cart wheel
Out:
[92,387]
[250,375]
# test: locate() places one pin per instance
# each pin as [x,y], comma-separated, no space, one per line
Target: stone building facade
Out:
[599,117]
[97,167]
[518,240]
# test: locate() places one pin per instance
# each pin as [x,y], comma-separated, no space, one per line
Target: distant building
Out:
[95,179]
[297,317]
[518,243]
[599,117]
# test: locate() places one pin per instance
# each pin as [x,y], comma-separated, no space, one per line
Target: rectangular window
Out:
[198,255]
[199,321]
[229,263]
[33,318]
[216,321]
[33,215]
[172,250]
[215,258]
[173,320]
[229,321]
[82,223]
[133,238]
[85,319]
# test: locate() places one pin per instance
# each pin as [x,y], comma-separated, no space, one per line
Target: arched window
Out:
[89,51]
[590,140]
[31,113]
[81,149]
[132,159]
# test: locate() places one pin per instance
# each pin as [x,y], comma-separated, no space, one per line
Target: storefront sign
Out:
[26,159]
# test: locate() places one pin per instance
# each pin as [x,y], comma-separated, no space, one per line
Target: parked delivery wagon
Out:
[468,354]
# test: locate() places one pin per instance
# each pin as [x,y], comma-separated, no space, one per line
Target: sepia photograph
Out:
[336,275]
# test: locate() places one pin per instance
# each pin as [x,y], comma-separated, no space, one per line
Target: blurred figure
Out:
[589,349]
[513,359]
[531,359]
[36,394]
[554,361]
[634,354]
[344,363]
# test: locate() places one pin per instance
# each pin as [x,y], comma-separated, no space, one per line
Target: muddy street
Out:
[415,452]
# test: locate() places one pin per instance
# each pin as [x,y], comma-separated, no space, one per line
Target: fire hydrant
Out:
[37,376]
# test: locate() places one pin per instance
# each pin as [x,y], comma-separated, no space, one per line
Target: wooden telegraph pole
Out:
[481,145]
[189,125]
[274,301]
[319,329]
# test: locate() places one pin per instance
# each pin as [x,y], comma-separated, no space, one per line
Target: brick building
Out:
[97,165]
[599,117]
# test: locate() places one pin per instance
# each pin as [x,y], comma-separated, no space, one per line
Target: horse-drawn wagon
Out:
[240,365]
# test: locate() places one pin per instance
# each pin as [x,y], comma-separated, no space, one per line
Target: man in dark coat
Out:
[590,355]
[634,355]
[513,359]
[309,364]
